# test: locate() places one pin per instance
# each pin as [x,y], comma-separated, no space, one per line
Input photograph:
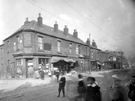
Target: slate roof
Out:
[33,26]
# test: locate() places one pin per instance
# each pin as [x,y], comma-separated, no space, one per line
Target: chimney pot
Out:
[26,21]
[75,34]
[65,30]
[39,14]
[40,20]
[55,27]
[55,22]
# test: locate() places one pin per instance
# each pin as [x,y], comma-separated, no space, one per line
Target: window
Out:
[77,49]
[92,54]
[70,47]
[86,50]
[15,48]
[40,43]
[7,43]
[59,45]
[18,39]
[18,42]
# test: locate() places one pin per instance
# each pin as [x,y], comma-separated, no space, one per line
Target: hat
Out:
[91,78]
[133,76]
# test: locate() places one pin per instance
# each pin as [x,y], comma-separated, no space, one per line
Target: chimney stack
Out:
[75,34]
[55,27]
[88,41]
[65,30]
[26,21]
[40,20]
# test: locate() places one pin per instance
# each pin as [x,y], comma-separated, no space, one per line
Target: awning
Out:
[56,59]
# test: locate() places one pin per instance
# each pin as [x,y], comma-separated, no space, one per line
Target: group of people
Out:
[90,90]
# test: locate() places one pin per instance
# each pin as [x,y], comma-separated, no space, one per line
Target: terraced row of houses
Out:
[36,44]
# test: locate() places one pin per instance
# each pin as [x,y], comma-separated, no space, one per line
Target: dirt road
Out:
[49,92]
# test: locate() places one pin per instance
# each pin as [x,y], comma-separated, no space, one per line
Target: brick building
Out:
[2,59]
[35,44]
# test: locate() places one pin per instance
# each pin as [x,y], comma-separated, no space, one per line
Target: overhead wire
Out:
[86,17]
[101,21]
[56,16]
[74,25]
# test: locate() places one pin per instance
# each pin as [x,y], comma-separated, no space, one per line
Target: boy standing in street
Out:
[62,83]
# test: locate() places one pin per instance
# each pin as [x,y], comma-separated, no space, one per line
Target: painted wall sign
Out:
[27,39]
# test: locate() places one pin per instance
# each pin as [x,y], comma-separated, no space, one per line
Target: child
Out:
[92,90]
[62,82]
[81,87]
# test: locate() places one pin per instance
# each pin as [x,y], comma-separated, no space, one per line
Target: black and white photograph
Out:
[67,50]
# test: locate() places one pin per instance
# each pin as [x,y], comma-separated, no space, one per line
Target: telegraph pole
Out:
[90,54]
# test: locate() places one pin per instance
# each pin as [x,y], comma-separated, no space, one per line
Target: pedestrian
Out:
[42,74]
[62,83]
[57,74]
[92,90]
[49,73]
[116,90]
[131,86]
[81,88]
[31,71]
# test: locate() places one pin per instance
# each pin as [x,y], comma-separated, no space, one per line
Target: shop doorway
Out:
[29,68]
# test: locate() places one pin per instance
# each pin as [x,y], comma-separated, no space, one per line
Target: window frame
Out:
[40,44]
[59,45]
[70,48]
[77,49]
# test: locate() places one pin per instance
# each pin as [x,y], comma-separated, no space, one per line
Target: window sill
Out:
[40,50]
[59,52]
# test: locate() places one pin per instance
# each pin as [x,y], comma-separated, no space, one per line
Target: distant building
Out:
[35,44]
[2,59]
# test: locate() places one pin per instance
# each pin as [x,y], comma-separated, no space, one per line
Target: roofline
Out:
[53,36]
[1,45]
[95,48]
[12,35]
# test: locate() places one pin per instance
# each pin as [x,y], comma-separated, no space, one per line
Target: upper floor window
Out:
[92,54]
[70,47]
[59,45]
[40,43]
[7,43]
[15,47]
[86,50]
[77,49]
[18,39]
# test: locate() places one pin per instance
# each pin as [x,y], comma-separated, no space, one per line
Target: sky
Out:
[110,23]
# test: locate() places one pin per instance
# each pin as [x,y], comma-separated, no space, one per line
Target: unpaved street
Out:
[49,92]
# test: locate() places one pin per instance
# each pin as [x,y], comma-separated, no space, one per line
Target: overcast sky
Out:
[111,23]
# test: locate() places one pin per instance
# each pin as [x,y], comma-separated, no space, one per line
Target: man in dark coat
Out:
[62,83]
[92,90]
